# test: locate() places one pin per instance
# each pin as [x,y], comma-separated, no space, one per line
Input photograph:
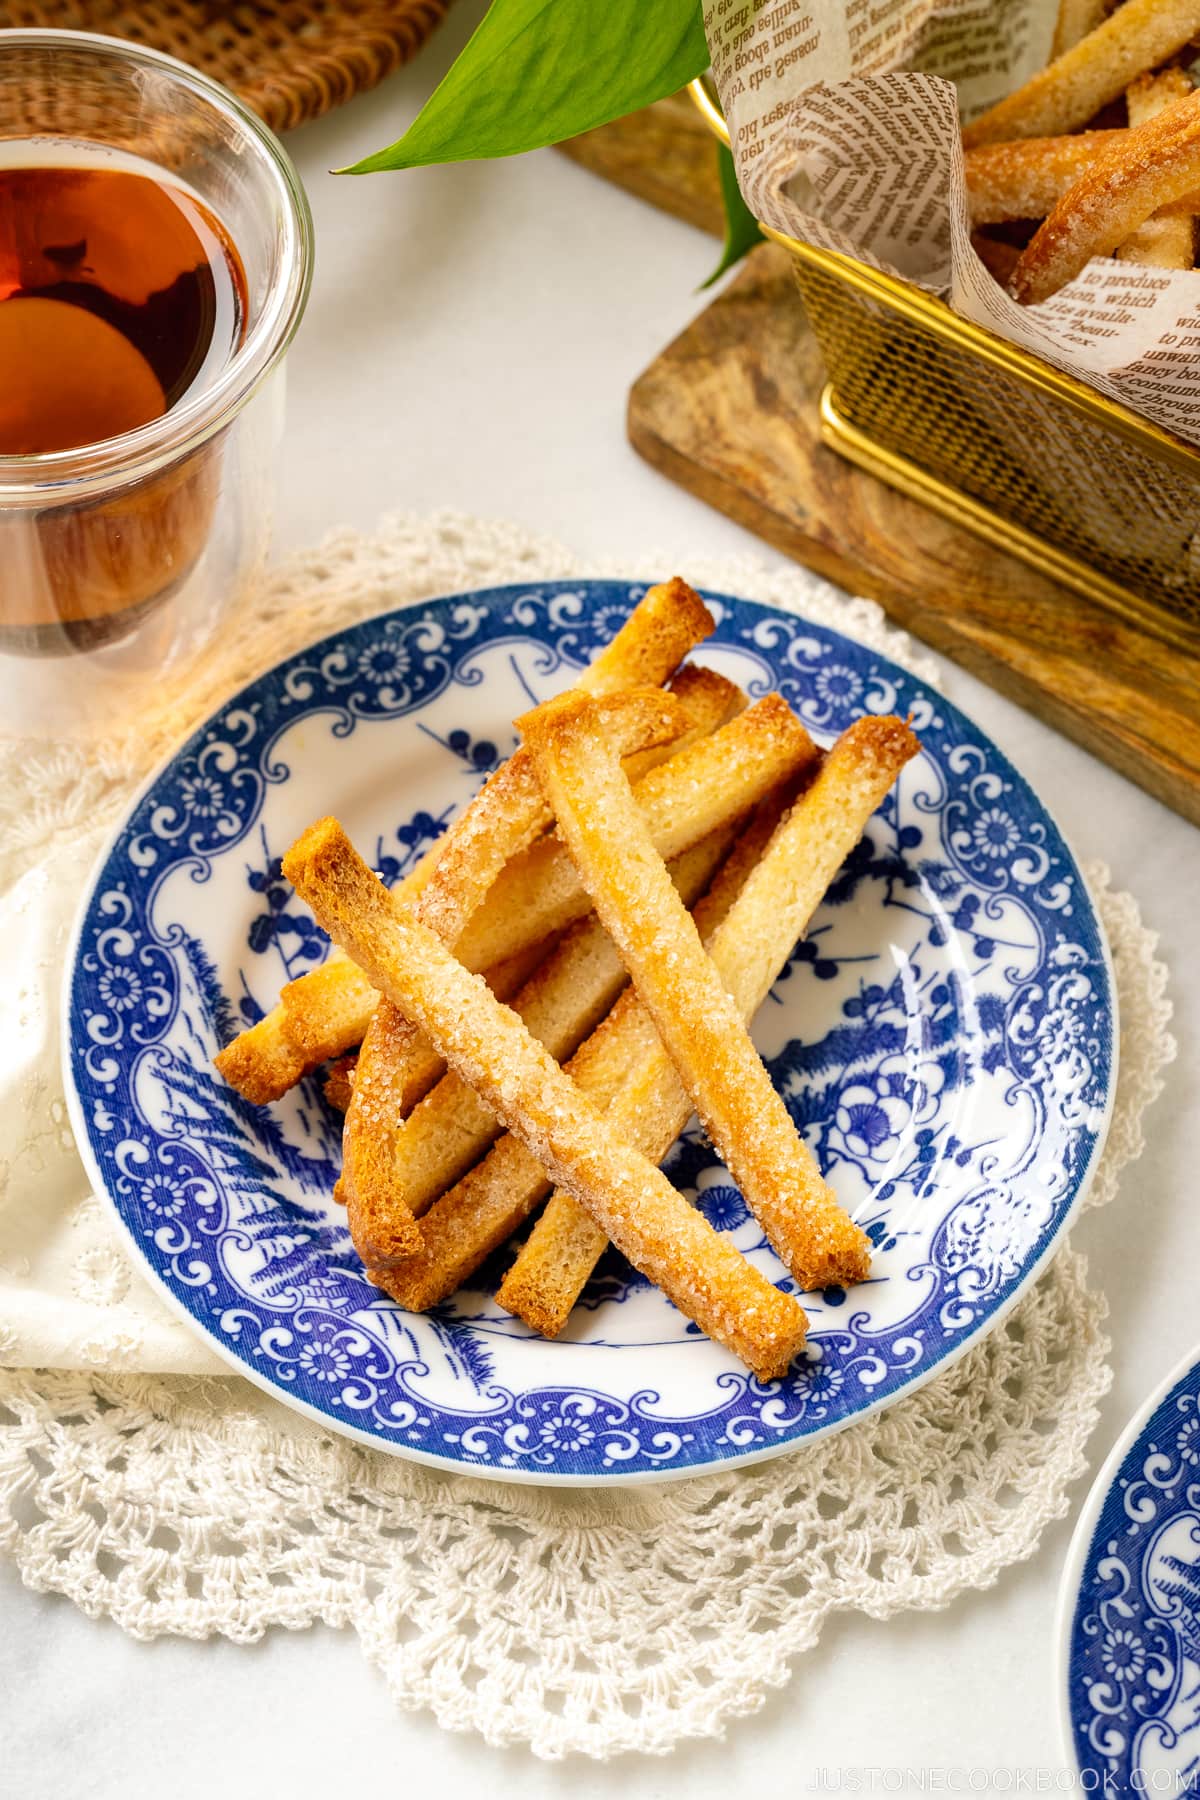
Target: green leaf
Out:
[538,71]
[742,230]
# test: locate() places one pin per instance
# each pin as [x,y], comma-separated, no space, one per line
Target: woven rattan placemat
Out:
[290,60]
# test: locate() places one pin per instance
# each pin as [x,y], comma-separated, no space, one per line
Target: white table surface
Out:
[471,337]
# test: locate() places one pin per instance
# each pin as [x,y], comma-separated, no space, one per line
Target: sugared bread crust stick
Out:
[1153,165]
[748,948]
[1072,89]
[494,1199]
[701,1026]
[564,999]
[701,1271]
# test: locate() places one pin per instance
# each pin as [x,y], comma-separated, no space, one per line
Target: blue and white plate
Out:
[945,1038]
[1129,1615]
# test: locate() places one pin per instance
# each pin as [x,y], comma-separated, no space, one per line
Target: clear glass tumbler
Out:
[118,559]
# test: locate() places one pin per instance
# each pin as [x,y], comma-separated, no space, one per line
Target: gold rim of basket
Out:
[840,433]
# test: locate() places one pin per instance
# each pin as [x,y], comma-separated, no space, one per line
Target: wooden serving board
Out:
[664,154]
[729,410]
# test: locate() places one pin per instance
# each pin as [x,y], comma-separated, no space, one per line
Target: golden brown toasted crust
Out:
[263,1062]
[699,1023]
[708,700]
[329,1011]
[379,1175]
[382,1096]
[483,1209]
[396,1076]
[784,890]
[505,817]
[1161,243]
[711,782]
[1152,93]
[333,1006]
[560,1004]
[1075,19]
[508,813]
[669,620]
[1153,165]
[1140,35]
[319,1017]
[643,1214]
[1025,177]
[323,1014]
[549,1273]
[461,1229]
[748,947]
[452,1127]
[492,1200]
[339,1082]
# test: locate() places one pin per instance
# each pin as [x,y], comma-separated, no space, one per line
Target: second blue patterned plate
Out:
[1129,1607]
[944,1037]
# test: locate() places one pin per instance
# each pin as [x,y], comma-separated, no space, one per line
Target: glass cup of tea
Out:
[155,259]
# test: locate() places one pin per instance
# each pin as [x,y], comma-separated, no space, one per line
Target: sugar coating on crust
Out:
[330,1008]
[473,1218]
[643,1214]
[509,812]
[699,1022]
[750,935]
[323,1014]
[669,620]
[566,997]
[713,781]
[1154,164]
[623,1066]
[1160,243]
[263,1062]
[398,1067]
[708,701]
[1025,179]
[395,1163]
[483,1209]
[452,1126]
[1070,90]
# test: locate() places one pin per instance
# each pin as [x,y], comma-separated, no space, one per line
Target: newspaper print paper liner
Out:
[944,1036]
[733,1574]
[848,137]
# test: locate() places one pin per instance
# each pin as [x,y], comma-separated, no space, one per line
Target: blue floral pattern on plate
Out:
[944,1037]
[1131,1606]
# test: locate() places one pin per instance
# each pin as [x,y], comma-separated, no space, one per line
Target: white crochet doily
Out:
[151,1489]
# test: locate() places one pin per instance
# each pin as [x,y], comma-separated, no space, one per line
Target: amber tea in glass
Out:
[118,292]
[121,293]
[155,258]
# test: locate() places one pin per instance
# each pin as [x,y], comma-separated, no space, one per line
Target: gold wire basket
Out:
[995,439]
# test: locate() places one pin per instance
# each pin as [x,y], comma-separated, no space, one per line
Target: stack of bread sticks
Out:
[529,1018]
[1102,147]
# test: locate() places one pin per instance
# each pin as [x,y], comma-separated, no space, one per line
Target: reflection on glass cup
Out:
[118,556]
